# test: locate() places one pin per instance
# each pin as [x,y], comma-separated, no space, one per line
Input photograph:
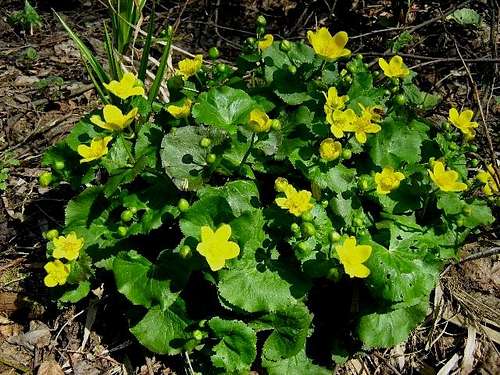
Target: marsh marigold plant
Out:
[232,214]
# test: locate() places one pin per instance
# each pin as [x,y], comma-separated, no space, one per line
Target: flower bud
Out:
[185,252]
[122,231]
[261,21]
[51,234]
[45,179]
[205,142]
[285,46]
[183,205]
[213,53]
[280,184]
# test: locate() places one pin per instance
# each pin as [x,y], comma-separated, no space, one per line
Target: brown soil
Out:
[41,99]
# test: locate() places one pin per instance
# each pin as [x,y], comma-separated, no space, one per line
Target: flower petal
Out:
[453,116]
[113,114]
[340,39]
[223,233]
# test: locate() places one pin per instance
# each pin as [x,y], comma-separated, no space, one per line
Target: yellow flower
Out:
[388,180]
[181,111]
[67,246]
[114,119]
[463,122]
[189,67]
[296,202]
[329,149]
[259,121]
[446,180]
[97,149]
[57,273]
[334,101]
[126,87]
[395,68]
[326,46]
[353,256]
[266,42]
[487,178]
[340,120]
[215,247]
[362,126]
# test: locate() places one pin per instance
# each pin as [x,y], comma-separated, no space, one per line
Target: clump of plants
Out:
[279,213]
[28,18]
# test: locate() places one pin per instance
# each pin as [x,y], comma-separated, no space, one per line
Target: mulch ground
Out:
[42,97]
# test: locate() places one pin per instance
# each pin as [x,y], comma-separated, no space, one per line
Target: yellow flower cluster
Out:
[112,119]
[342,121]
[65,247]
[296,202]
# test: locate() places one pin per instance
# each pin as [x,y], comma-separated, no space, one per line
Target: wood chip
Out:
[50,367]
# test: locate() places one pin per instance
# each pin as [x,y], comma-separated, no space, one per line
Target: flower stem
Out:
[247,153]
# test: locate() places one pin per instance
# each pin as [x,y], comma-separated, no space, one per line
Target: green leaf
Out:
[422,100]
[142,282]
[223,205]
[346,207]
[480,214]
[401,274]
[156,205]
[338,178]
[242,196]
[148,143]
[86,214]
[299,364]
[75,295]
[387,329]
[212,210]
[291,328]
[224,107]
[397,142]
[163,331]
[183,158]
[123,176]
[402,41]
[362,90]
[301,53]
[290,88]
[236,349]
[252,290]
[466,17]
[450,203]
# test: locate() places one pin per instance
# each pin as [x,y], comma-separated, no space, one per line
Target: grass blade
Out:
[147,45]
[114,64]
[155,87]
[93,66]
